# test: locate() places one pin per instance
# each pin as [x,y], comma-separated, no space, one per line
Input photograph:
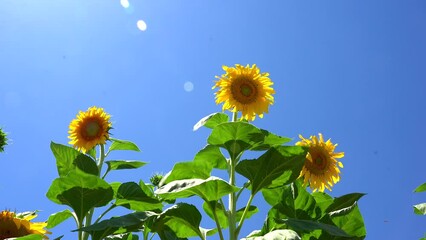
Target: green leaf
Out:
[309,225]
[80,191]
[131,195]
[212,156]
[344,201]
[57,218]
[124,164]
[352,223]
[127,223]
[235,137]
[67,158]
[421,188]
[211,121]
[124,236]
[183,219]
[273,195]
[323,201]
[220,211]
[420,209]
[187,170]
[210,189]
[268,140]
[118,144]
[285,234]
[282,163]
[29,237]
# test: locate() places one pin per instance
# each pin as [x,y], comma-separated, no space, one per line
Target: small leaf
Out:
[187,170]
[118,144]
[211,121]
[421,188]
[420,209]
[284,163]
[80,191]
[210,189]
[124,164]
[344,201]
[57,218]
[308,226]
[212,156]
[131,195]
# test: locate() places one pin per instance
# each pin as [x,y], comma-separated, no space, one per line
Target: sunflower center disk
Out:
[244,91]
[91,129]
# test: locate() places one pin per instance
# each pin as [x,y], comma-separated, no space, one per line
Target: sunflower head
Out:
[3,140]
[244,89]
[19,225]
[89,129]
[321,169]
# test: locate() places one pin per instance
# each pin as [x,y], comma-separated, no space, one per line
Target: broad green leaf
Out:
[421,188]
[80,191]
[124,236]
[187,170]
[211,120]
[210,189]
[131,195]
[57,218]
[344,201]
[148,189]
[282,163]
[273,195]
[420,209]
[309,225]
[352,223]
[67,158]
[183,219]
[213,156]
[323,201]
[29,237]
[235,137]
[118,144]
[281,234]
[209,207]
[267,140]
[123,164]
[127,223]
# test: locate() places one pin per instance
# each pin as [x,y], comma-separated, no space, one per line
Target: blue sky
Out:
[352,70]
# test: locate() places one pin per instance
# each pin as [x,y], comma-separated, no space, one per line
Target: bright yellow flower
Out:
[321,168]
[13,225]
[246,90]
[89,129]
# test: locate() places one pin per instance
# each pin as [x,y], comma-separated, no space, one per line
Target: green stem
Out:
[103,214]
[243,217]
[232,200]
[219,229]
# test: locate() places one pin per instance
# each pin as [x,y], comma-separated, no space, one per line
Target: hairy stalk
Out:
[219,229]
[243,217]
[232,198]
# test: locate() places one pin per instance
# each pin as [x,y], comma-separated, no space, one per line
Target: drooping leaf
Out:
[212,156]
[210,189]
[80,191]
[282,163]
[183,219]
[420,209]
[211,120]
[126,223]
[235,137]
[57,218]
[123,164]
[344,201]
[285,234]
[309,225]
[66,160]
[187,170]
[118,144]
[131,195]
[420,188]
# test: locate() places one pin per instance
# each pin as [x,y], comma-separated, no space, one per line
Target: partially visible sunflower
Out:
[89,129]
[321,169]
[18,225]
[3,140]
[246,90]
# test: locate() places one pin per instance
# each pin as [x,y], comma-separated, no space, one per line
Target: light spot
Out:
[188,86]
[141,25]
[125,3]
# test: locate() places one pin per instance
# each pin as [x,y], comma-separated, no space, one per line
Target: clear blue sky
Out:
[352,70]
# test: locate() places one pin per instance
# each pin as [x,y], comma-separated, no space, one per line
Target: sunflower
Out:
[89,129]
[244,89]
[3,140]
[18,225]
[321,169]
